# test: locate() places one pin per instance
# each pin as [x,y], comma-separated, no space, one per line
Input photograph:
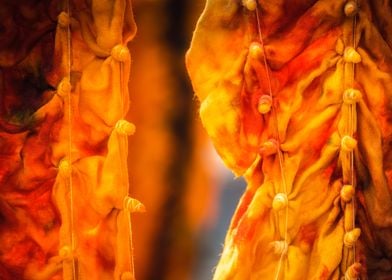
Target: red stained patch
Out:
[312,56]
[22,253]
[252,120]
[242,207]
[41,209]
[307,233]
[329,170]
[245,230]
[323,134]
[325,273]
[361,198]
[4,274]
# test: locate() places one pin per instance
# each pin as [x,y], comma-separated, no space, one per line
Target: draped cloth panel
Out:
[64,183]
[306,74]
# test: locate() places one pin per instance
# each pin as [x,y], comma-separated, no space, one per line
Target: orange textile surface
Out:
[64,207]
[296,97]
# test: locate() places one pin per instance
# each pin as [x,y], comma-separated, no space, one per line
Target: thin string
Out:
[351,129]
[131,249]
[279,152]
[122,88]
[274,111]
[69,65]
[353,106]
[122,146]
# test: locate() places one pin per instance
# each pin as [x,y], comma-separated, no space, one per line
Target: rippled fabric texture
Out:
[64,76]
[306,46]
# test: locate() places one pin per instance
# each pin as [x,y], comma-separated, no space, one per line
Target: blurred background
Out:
[189,195]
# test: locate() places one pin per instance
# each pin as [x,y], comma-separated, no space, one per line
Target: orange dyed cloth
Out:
[64,176]
[305,46]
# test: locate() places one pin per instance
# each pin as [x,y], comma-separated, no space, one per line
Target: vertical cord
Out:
[122,143]
[279,152]
[69,65]
[352,126]
[352,117]
[274,111]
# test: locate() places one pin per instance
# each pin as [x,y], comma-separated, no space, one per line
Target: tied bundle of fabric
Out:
[64,205]
[296,96]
